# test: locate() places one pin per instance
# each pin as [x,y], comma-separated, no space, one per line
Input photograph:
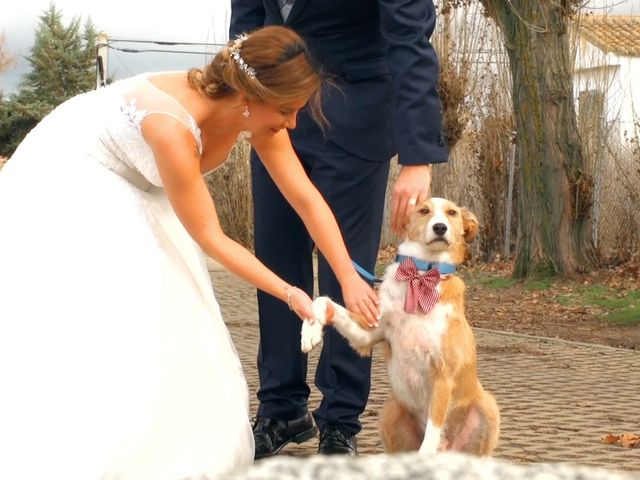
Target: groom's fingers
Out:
[359,319]
[370,312]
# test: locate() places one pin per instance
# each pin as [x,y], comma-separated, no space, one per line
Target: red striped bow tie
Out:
[421,288]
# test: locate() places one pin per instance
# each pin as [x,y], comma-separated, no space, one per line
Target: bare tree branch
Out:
[6,59]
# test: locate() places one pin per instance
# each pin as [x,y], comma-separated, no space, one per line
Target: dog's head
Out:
[443,229]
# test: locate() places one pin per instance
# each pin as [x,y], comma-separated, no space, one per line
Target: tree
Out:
[62,59]
[6,59]
[62,65]
[555,185]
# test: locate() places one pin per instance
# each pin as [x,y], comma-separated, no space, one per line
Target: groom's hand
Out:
[411,187]
[361,300]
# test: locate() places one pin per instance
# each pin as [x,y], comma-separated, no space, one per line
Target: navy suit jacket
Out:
[384,66]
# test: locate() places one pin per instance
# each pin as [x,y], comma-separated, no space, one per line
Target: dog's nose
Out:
[440,229]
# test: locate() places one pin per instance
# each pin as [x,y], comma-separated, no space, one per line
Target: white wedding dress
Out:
[115,362]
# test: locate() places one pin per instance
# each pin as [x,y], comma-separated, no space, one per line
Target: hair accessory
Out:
[235,54]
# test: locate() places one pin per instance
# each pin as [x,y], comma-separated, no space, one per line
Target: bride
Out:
[114,359]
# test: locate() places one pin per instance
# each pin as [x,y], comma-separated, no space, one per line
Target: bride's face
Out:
[266,118]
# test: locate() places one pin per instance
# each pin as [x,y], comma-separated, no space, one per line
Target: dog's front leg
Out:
[438,406]
[328,312]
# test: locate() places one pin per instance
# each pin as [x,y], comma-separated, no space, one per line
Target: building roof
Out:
[619,34]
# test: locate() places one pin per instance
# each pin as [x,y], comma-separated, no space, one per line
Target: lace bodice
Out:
[121,146]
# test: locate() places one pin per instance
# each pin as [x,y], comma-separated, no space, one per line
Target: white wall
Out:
[618,78]
[630,101]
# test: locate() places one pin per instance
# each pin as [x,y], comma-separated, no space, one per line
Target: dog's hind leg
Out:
[399,430]
[479,434]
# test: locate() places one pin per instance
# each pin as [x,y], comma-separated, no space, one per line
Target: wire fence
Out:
[207,48]
[113,48]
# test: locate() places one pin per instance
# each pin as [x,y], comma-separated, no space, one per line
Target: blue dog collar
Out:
[443,267]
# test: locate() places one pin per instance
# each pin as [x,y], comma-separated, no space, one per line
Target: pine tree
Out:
[61,59]
[62,65]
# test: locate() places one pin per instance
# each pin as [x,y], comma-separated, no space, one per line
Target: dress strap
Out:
[147,99]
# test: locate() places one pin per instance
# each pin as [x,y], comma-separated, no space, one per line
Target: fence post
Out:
[387,236]
[509,209]
[595,231]
[101,60]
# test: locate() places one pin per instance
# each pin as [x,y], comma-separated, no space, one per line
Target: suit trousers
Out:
[355,190]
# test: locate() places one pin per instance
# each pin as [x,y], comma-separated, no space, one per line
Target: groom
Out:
[379,54]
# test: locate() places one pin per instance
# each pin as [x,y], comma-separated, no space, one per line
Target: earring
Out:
[246,113]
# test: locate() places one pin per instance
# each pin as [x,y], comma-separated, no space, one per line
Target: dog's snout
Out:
[440,229]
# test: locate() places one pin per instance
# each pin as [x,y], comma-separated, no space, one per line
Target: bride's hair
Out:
[271,64]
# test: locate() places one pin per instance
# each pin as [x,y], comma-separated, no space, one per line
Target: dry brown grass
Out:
[230,186]
[618,212]
[477,173]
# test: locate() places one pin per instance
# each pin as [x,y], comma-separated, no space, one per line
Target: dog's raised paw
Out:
[311,335]
[323,310]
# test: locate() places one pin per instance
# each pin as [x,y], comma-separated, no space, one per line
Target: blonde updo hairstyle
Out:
[285,72]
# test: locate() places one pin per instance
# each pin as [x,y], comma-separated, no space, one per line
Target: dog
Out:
[437,402]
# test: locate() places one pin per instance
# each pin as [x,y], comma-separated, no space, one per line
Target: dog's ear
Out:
[470,225]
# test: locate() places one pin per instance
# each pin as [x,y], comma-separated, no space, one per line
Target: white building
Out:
[607,74]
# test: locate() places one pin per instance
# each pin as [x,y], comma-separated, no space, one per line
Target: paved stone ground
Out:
[557,398]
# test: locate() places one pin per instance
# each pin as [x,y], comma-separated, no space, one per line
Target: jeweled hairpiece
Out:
[235,54]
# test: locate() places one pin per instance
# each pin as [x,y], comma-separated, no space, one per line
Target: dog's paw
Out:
[323,310]
[311,335]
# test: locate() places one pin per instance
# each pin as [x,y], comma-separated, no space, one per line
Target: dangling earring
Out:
[246,113]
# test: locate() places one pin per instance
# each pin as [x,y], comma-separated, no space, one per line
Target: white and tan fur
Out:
[437,402]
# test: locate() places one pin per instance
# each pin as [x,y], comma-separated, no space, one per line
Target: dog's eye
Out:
[452,213]
[424,211]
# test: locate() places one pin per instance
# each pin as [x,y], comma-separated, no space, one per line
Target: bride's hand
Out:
[300,303]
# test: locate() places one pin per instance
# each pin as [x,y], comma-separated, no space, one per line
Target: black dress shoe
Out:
[272,435]
[335,440]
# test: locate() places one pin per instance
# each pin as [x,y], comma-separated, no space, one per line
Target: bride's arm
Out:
[174,149]
[284,167]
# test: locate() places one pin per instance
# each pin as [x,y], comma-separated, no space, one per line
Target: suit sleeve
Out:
[407,26]
[246,15]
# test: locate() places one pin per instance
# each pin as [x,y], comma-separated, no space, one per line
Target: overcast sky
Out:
[182,20]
